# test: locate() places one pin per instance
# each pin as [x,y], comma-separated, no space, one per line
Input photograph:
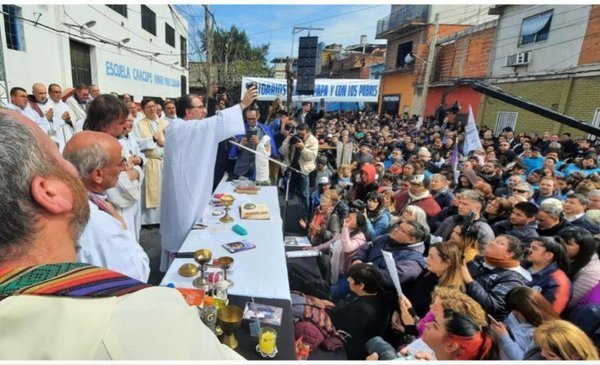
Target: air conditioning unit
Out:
[518,59]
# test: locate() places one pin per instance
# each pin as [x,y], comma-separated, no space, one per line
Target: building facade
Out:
[549,55]
[409,30]
[137,49]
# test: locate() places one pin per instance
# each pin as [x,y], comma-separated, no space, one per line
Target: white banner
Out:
[472,141]
[332,90]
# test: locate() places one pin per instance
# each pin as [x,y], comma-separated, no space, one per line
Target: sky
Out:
[273,24]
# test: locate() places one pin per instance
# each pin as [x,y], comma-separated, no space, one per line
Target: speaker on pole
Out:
[307,61]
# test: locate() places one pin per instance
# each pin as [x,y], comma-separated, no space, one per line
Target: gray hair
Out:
[420,216]
[595,193]
[555,146]
[525,185]
[87,159]
[473,195]
[441,176]
[419,232]
[583,200]
[552,207]
[21,159]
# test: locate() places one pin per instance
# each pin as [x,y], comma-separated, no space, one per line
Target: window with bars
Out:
[121,9]
[183,51]
[148,20]
[505,119]
[169,35]
[536,28]
[13,25]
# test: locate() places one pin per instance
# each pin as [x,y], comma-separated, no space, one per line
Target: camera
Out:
[251,84]
[294,139]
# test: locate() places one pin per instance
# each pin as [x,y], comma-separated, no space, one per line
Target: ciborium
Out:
[230,320]
[227,201]
[202,257]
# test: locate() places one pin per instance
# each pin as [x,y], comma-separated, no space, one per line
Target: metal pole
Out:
[429,66]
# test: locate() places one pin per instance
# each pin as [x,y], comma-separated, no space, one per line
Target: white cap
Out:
[324,180]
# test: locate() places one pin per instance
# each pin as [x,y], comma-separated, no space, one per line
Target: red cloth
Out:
[371,173]
[428,204]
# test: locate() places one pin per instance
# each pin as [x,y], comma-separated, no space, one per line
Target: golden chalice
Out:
[227,201]
[202,257]
[225,263]
[230,320]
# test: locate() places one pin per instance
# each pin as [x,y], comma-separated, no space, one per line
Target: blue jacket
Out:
[554,285]
[233,151]
[378,225]
[409,258]
[571,168]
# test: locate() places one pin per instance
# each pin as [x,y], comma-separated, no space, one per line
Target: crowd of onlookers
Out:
[496,247]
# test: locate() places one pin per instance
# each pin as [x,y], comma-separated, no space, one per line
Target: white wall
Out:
[561,49]
[47,55]
[461,14]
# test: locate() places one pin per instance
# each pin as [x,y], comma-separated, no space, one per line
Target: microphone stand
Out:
[288,171]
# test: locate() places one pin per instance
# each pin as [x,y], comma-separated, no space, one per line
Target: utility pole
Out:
[289,83]
[428,67]
[208,42]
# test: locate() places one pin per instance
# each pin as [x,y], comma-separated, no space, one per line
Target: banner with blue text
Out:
[332,90]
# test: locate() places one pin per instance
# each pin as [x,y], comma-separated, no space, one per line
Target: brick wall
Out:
[577,98]
[590,49]
[467,57]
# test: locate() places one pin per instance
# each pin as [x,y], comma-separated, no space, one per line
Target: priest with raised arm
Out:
[189,159]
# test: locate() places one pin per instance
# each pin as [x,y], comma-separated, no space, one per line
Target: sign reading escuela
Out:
[332,90]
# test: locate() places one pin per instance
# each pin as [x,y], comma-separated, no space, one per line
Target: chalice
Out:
[225,263]
[227,201]
[230,320]
[202,257]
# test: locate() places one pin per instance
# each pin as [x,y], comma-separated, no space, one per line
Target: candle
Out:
[267,340]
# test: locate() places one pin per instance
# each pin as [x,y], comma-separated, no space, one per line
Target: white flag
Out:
[472,141]
[391,266]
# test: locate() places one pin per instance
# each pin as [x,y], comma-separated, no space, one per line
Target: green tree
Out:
[232,57]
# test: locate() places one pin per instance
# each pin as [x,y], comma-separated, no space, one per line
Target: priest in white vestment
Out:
[149,133]
[187,180]
[20,103]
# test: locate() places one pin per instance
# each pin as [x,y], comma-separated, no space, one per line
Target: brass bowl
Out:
[225,262]
[202,256]
[230,320]
[188,270]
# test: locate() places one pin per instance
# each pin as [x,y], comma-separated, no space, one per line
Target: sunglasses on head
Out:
[520,191]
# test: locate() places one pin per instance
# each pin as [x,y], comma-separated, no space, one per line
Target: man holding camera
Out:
[300,152]
[245,160]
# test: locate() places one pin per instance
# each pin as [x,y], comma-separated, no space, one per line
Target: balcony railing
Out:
[404,15]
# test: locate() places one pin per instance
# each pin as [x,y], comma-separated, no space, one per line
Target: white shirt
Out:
[574,217]
[149,324]
[31,114]
[190,155]
[78,110]
[105,243]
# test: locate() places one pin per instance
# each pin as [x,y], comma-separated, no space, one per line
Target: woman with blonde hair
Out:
[324,223]
[562,340]
[443,270]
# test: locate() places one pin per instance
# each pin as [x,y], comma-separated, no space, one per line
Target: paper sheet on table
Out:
[302,253]
[391,266]
[296,241]
[418,346]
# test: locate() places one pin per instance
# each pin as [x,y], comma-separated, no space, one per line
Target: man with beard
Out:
[491,172]
[48,211]
[105,241]
[547,190]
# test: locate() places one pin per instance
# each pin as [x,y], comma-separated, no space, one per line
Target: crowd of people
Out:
[495,247]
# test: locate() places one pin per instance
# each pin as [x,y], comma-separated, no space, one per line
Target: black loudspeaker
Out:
[295,211]
[307,61]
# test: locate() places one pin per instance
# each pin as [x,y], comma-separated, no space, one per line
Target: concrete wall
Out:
[460,14]
[47,55]
[561,49]
[576,97]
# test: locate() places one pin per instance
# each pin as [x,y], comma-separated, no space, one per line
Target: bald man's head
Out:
[97,158]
